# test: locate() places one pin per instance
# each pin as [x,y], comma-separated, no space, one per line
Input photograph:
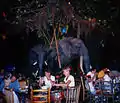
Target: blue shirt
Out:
[15,86]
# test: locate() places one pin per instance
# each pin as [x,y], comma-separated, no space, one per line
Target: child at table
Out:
[48,80]
[69,80]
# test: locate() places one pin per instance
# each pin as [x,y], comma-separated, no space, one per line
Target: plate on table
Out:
[44,87]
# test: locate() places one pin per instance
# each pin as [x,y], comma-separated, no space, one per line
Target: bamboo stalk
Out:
[52,41]
[58,54]
[83,88]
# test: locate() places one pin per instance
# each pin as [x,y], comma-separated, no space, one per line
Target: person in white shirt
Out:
[107,76]
[48,79]
[91,78]
[69,80]
[91,87]
[92,74]
[107,80]
[7,80]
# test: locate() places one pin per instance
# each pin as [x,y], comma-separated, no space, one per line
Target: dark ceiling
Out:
[13,50]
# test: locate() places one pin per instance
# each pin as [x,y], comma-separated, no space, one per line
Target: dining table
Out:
[57,95]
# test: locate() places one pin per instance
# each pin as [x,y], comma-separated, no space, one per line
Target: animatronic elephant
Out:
[69,49]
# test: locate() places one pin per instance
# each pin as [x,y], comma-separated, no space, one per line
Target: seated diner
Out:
[69,80]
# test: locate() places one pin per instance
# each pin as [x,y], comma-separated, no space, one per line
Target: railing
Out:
[109,91]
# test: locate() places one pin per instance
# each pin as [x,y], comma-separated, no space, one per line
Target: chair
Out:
[93,98]
[117,90]
[40,96]
[72,94]
[108,90]
[9,96]
[23,95]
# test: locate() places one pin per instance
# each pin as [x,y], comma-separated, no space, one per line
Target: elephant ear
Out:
[69,47]
[66,47]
